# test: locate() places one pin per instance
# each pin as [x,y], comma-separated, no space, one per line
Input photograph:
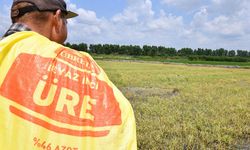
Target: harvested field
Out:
[186,107]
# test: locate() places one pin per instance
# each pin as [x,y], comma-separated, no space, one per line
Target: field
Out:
[185,107]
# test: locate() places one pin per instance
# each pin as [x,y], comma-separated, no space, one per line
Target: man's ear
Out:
[57,20]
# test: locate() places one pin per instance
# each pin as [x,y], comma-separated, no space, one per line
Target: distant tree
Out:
[231,53]
[199,51]
[242,53]
[137,51]
[74,46]
[92,48]
[162,51]
[106,48]
[115,49]
[67,44]
[146,50]
[99,48]
[154,50]
[96,48]
[221,52]
[185,52]
[130,50]
[208,52]
[82,47]
[171,51]
[123,50]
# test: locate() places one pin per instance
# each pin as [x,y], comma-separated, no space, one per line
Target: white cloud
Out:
[184,4]
[222,24]
[124,28]
[135,11]
[5,19]
[200,17]
[84,27]
[166,23]
[225,26]
[228,7]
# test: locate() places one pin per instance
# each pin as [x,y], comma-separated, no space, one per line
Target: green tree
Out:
[123,50]
[221,52]
[75,47]
[146,50]
[242,53]
[83,47]
[231,53]
[185,52]
[67,44]
[171,51]
[208,52]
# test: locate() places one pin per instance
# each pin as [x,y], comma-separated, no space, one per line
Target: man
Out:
[52,97]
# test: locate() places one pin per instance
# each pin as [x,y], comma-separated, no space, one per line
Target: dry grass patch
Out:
[208,110]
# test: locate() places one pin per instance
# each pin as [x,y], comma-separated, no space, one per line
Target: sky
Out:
[171,23]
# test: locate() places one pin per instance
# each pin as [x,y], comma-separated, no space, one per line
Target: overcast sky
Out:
[171,23]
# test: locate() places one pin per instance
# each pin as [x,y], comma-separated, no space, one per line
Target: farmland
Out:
[185,107]
[176,59]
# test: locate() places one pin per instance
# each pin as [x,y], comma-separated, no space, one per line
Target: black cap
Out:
[41,5]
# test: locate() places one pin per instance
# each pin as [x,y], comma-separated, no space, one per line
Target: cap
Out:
[41,5]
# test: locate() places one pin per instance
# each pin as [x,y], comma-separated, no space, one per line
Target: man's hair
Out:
[36,17]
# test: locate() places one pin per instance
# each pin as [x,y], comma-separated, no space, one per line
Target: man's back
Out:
[52,97]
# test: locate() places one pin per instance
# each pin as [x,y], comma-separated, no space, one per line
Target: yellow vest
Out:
[55,98]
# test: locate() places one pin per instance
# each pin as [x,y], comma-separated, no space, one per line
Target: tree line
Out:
[146,50]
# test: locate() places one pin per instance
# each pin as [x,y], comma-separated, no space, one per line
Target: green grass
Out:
[186,107]
[175,59]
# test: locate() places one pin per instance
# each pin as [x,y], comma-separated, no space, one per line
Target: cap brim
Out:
[71,15]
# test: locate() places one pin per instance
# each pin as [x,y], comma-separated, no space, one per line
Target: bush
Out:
[217,58]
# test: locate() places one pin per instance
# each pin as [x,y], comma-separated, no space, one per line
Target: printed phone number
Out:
[48,146]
